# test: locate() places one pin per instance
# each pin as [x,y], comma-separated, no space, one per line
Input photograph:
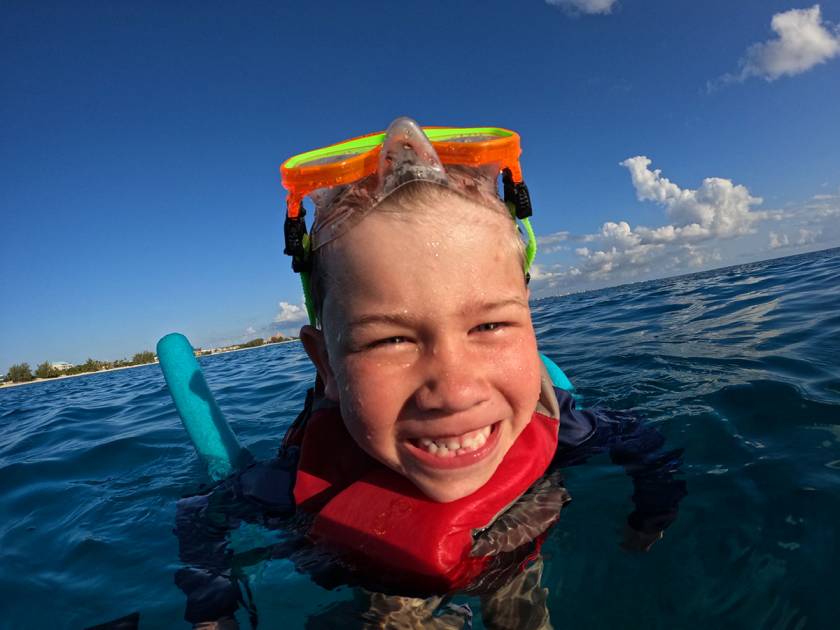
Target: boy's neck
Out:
[547,403]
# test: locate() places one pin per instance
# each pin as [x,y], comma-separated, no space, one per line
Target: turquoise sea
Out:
[738,366]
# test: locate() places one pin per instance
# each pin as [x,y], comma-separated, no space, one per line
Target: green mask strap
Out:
[518,200]
[307,298]
[307,286]
[531,246]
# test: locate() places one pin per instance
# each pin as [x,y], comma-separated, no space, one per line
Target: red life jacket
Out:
[378,520]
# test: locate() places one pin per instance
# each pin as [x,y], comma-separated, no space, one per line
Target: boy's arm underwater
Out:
[212,575]
[639,448]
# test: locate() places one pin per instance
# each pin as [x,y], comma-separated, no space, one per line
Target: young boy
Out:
[420,454]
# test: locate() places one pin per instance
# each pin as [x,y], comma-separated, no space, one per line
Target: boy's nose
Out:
[452,382]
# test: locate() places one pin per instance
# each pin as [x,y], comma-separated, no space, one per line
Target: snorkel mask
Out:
[348,180]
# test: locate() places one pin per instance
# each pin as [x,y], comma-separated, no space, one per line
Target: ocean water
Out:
[740,367]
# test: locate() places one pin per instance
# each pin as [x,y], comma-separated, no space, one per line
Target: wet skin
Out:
[428,336]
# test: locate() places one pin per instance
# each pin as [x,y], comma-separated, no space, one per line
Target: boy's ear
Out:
[316,347]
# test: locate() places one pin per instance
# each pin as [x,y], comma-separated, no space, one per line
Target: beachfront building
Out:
[61,366]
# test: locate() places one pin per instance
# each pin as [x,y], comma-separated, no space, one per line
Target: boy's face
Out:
[428,344]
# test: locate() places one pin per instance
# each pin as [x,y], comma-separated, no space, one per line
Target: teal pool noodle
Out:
[211,435]
[558,376]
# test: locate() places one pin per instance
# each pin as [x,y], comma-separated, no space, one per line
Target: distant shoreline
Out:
[273,343]
[128,367]
[61,377]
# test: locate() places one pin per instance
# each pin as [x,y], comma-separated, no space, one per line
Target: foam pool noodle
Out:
[210,433]
[559,379]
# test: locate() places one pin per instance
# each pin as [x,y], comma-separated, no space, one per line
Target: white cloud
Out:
[696,258]
[806,237]
[289,313]
[778,240]
[591,7]
[610,265]
[700,219]
[803,40]
[718,208]
[552,242]
[540,273]
[618,235]
[714,224]
[810,225]
[624,262]
[797,238]
[552,239]
[250,330]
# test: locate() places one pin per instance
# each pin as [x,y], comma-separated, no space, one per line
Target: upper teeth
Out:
[452,446]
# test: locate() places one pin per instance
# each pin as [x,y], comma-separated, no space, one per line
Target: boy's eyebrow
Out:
[381,318]
[492,305]
[404,318]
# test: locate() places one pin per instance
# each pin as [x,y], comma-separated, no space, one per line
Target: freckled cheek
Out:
[371,402]
[373,430]
[516,360]
[366,383]
[517,375]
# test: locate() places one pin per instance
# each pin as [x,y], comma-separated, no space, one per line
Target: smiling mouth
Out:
[453,446]
[457,450]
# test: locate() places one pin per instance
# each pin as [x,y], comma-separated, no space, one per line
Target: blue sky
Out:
[140,144]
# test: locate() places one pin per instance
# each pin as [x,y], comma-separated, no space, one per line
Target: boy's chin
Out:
[448,491]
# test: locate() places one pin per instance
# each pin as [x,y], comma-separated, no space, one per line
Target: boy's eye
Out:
[489,327]
[389,341]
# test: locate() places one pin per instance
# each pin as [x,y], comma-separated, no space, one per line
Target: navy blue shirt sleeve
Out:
[635,445]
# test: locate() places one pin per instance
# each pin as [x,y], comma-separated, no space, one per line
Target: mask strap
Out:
[299,247]
[307,298]
[531,246]
[518,200]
